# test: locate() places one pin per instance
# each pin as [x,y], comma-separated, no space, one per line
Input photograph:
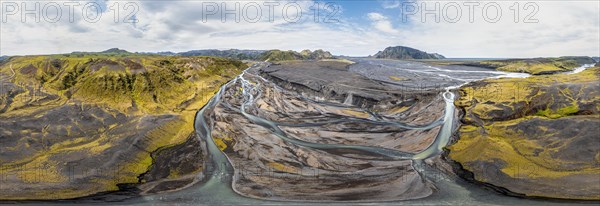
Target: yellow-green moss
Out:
[499,141]
[534,66]
[222,142]
[283,168]
[395,78]
[354,113]
[178,86]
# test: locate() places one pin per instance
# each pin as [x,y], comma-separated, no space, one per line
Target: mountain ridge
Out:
[402,52]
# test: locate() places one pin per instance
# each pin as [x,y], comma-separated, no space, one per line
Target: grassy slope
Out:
[535,66]
[135,85]
[539,65]
[514,123]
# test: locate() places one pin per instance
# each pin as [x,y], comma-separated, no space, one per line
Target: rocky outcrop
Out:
[535,136]
[401,52]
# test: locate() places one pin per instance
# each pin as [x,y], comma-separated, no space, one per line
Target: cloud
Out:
[377,17]
[387,4]
[381,23]
[564,28]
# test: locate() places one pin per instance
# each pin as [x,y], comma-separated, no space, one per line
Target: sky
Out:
[458,29]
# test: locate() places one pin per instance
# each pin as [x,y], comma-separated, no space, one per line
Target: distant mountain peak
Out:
[279,55]
[261,55]
[115,50]
[402,52]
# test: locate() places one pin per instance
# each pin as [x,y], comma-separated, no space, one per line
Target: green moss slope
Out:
[98,111]
[535,136]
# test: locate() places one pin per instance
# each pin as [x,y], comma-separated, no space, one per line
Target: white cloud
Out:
[376,17]
[564,28]
[387,4]
[381,23]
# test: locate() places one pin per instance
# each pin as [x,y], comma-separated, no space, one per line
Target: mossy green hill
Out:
[535,66]
[535,136]
[278,55]
[107,114]
[152,84]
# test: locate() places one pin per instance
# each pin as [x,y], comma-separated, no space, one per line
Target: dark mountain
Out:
[231,53]
[317,54]
[112,51]
[401,52]
[115,51]
[278,55]
[260,55]
[237,54]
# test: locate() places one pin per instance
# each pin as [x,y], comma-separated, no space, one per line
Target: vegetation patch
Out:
[106,113]
[535,66]
[533,135]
